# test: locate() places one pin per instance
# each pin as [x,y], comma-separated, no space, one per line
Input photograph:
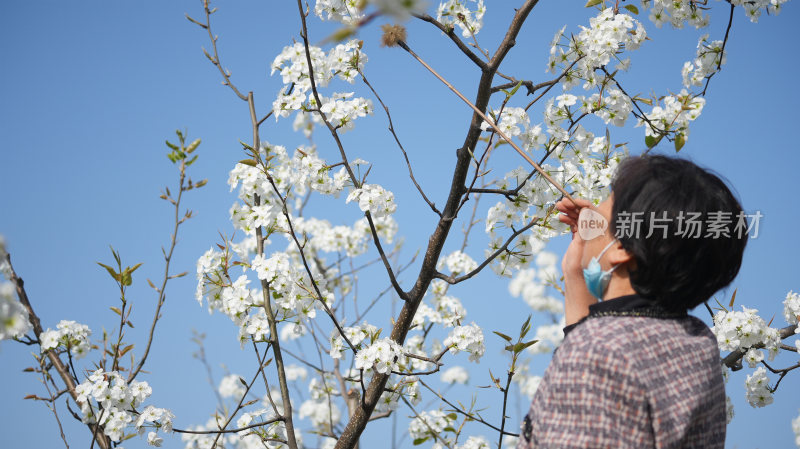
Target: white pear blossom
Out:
[791,307]
[231,387]
[384,356]
[457,263]
[467,338]
[374,199]
[677,13]
[106,398]
[70,335]
[430,423]
[13,315]
[710,56]
[475,442]
[344,11]
[743,330]
[757,384]
[455,375]
[458,13]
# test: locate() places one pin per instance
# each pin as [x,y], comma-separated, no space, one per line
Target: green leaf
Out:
[116,310]
[503,336]
[111,271]
[452,416]
[191,161]
[419,441]
[171,145]
[651,141]
[525,327]
[680,141]
[125,351]
[591,3]
[733,297]
[249,162]
[247,147]
[632,8]
[515,89]
[193,146]
[131,270]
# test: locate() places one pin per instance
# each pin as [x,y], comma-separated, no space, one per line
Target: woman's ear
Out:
[619,255]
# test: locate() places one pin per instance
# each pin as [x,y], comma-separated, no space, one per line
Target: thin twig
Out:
[226,75]
[396,139]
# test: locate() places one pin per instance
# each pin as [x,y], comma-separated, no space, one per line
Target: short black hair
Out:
[677,271]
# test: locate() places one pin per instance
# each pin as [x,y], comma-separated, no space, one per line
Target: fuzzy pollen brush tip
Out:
[392,35]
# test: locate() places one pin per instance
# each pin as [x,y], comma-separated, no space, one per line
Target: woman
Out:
[634,369]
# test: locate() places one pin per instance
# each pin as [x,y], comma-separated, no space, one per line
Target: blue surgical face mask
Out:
[597,279]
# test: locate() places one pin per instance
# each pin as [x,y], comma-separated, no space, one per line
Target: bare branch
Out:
[215,58]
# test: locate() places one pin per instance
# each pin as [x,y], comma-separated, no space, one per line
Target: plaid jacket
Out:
[630,381]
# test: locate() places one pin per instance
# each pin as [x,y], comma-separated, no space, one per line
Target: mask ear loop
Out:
[605,249]
[603,252]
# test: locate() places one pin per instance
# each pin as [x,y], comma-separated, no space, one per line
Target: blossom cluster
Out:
[432,424]
[343,61]
[674,116]
[5,267]
[796,429]
[407,387]
[457,263]
[676,13]
[791,307]
[231,387]
[753,8]
[743,331]
[532,284]
[455,375]
[107,399]
[710,56]
[457,13]
[321,412]
[350,240]
[13,316]
[467,338]
[374,199]
[355,335]
[68,334]
[344,11]
[350,12]
[758,392]
[594,47]
[384,356]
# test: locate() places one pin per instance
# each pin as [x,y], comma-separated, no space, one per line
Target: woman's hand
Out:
[577,298]
[571,263]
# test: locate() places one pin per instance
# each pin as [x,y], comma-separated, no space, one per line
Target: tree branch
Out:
[102,440]
[450,32]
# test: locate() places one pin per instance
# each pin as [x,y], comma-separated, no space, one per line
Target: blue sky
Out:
[90,90]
